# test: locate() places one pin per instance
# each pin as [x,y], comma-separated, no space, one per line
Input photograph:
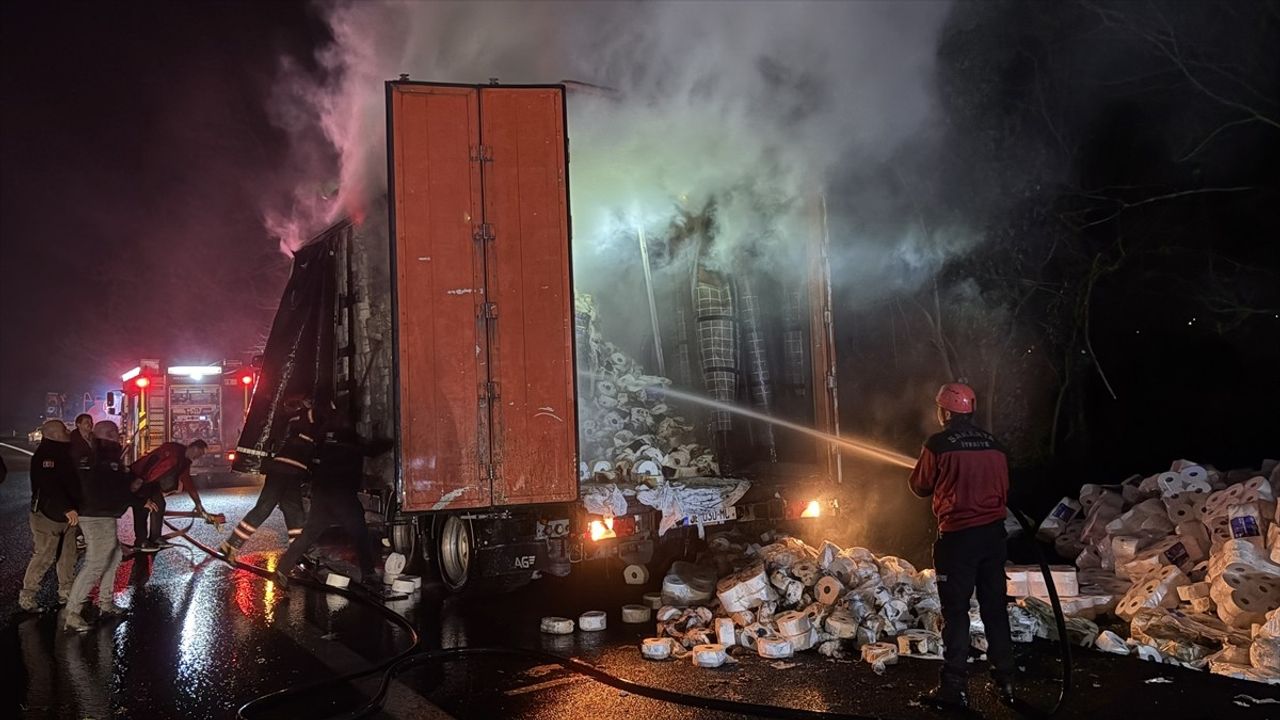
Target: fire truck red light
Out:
[141,382]
[246,379]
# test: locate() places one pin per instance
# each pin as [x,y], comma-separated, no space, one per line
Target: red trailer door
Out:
[439,296]
[534,429]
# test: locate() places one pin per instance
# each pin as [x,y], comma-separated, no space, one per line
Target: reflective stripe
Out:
[308,438]
[242,534]
[290,461]
[297,531]
[244,524]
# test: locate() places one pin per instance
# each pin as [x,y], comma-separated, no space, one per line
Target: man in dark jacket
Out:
[82,444]
[106,492]
[286,471]
[967,473]
[337,472]
[54,499]
[163,471]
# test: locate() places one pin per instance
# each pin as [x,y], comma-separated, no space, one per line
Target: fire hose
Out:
[411,655]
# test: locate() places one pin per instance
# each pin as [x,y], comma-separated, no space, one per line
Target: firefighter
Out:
[966,472]
[286,472]
[336,474]
[54,498]
[105,493]
[162,471]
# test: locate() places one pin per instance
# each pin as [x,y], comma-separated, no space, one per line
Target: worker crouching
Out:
[966,472]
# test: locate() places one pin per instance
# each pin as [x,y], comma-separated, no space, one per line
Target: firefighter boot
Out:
[228,552]
[948,695]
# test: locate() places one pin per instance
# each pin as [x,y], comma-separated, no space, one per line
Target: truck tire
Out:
[453,543]
[404,537]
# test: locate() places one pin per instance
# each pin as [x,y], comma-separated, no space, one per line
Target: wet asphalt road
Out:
[203,639]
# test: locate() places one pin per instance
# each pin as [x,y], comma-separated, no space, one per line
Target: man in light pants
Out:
[53,518]
[105,493]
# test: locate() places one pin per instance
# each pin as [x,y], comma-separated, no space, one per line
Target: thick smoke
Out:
[753,106]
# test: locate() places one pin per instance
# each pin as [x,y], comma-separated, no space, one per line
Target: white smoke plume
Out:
[754,104]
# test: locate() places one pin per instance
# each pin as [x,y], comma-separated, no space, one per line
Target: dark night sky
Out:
[137,156]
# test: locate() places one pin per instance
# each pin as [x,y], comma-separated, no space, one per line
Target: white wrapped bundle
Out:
[744,590]
[1159,590]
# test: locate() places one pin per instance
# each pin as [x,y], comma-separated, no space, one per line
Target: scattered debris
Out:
[1158,681]
[1249,700]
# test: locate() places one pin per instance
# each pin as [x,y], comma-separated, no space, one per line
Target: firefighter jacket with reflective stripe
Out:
[966,471]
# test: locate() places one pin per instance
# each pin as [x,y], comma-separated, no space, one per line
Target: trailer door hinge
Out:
[490,310]
[481,153]
[493,390]
[482,233]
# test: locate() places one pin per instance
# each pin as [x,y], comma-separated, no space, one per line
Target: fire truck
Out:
[449,323]
[161,403]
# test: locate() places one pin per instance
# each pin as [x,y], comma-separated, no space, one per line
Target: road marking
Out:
[537,687]
[18,449]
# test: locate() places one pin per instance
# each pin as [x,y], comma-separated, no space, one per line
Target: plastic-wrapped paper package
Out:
[1240,551]
[1243,672]
[744,590]
[1248,523]
[878,655]
[1101,582]
[1061,514]
[1106,507]
[1264,654]
[1174,639]
[1112,643]
[1158,590]
[1179,552]
[895,570]
[827,554]
[1148,515]
[1243,595]
[787,552]
[1184,506]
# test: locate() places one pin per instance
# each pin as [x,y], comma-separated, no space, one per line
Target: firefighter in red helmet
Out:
[966,472]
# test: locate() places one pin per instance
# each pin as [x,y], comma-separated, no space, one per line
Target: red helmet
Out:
[956,397]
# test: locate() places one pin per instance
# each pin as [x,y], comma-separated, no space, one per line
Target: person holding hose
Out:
[286,471]
[162,471]
[105,493]
[966,472]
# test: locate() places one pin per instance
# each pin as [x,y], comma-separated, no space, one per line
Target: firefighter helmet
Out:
[956,397]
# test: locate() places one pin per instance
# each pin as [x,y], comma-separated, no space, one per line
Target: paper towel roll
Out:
[635,614]
[652,600]
[556,625]
[593,621]
[744,590]
[793,623]
[774,648]
[882,653]
[402,585]
[726,633]
[394,564]
[336,580]
[635,574]
[842,624]
[828,590]
[1158,590]
[807,573]
[709,656]
[656,648]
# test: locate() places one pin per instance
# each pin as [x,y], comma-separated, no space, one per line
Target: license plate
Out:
[712,517]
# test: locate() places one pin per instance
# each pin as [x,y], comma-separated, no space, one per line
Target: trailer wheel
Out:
[404,537]
[454,541]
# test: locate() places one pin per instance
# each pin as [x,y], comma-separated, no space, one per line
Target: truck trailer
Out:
[450,324]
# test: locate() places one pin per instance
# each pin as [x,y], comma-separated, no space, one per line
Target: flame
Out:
[812,510]
[601,529]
